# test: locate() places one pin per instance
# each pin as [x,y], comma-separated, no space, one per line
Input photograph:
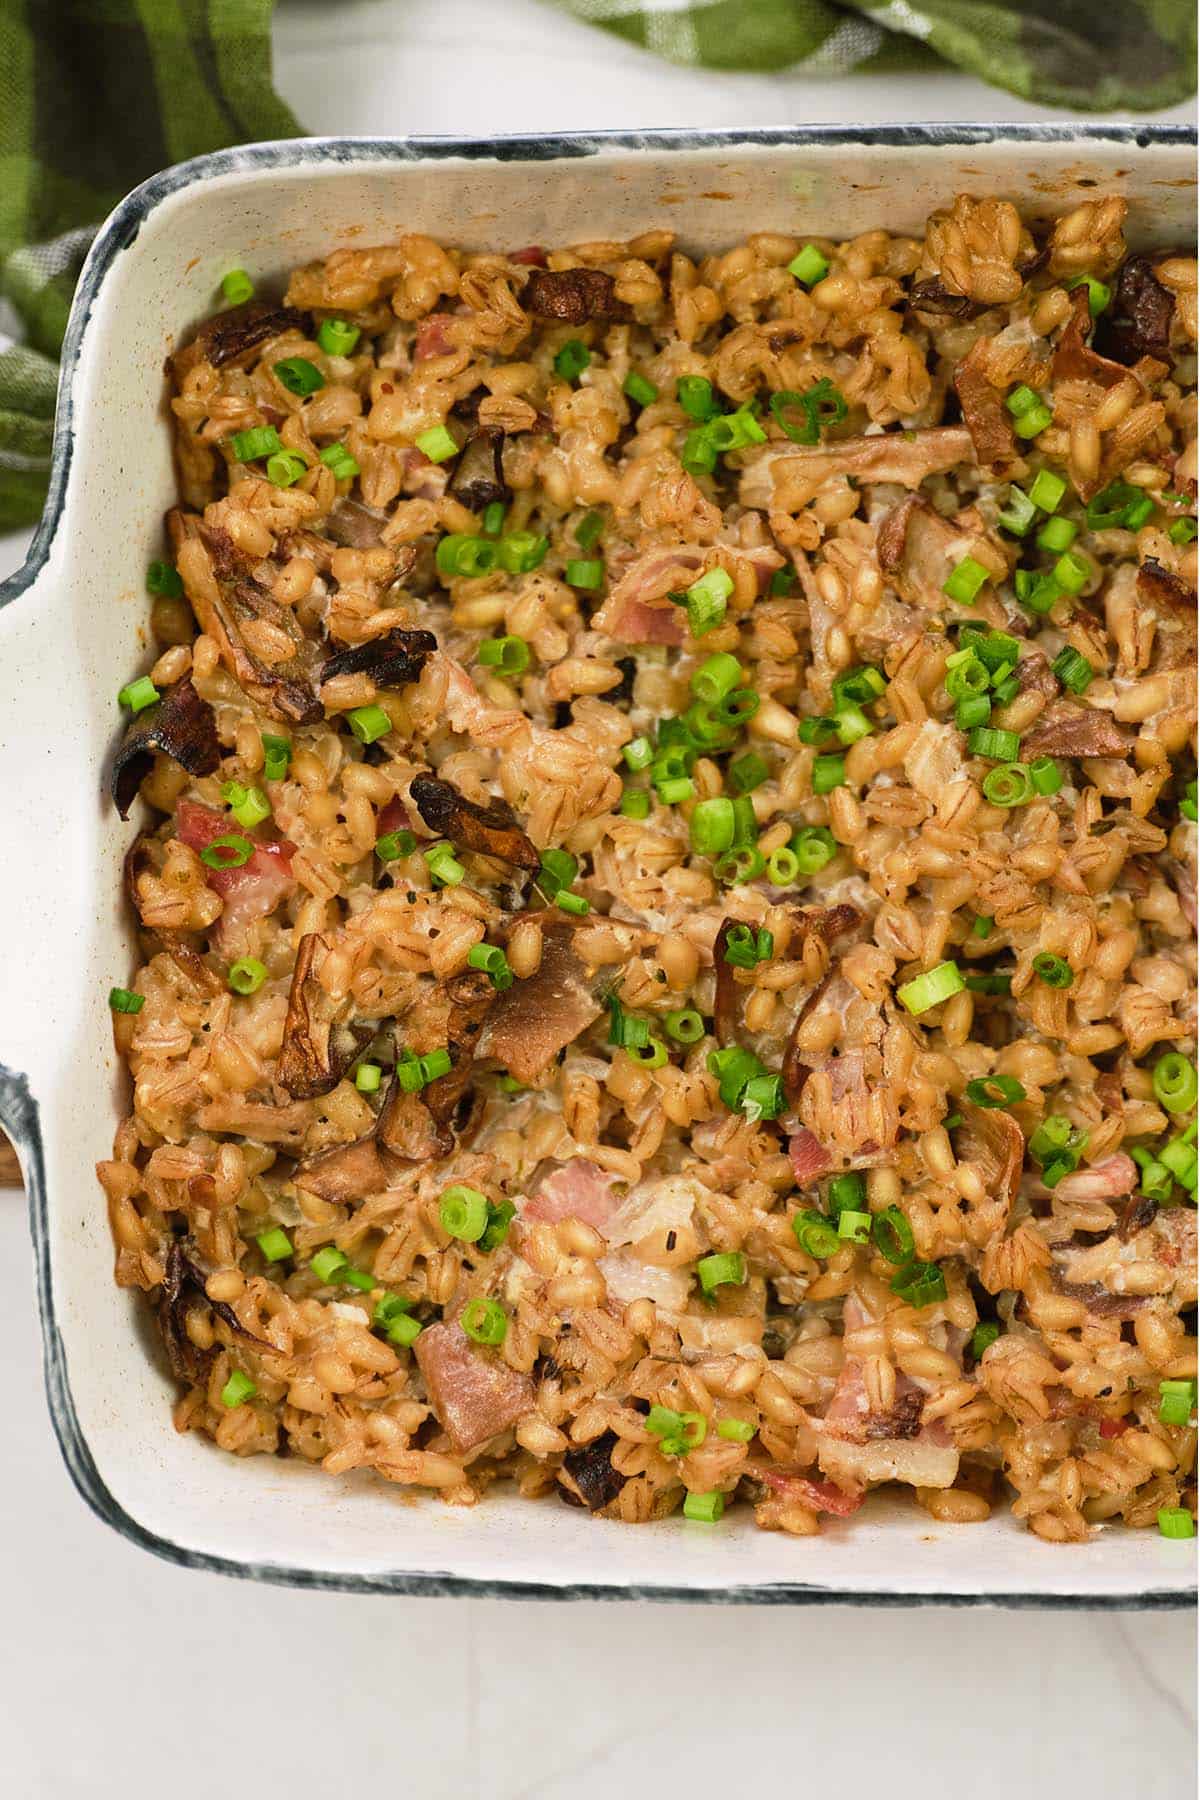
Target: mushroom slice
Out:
[320,1038]
[232,335]
[490,830]
[181,725]
[391,661]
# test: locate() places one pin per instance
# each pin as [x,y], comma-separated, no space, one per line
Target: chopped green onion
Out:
[138,695]
[984,925]
[716,677]
[638,389]
[965,580]
[853,724]
[368,723]
[1047,490]
[1188,805]
[975,710]
[711,826]
[458,554]
[286,468]
[815,846]
[1055,971]
[1057,534]
[783,866]
[246,975]
[735,430]
[574,903]
[893,1236]
[817,731]
[828,772]
[931,988]
[860,686]
[443,865]
[395,844]
[584,573]
[237,287]
[809,266]
[367,1077]
[253,445]
[232,851]
[572,359]
[500,1217]
[463,1212]
[695,396]
[966,676]
[589,530]
[1180,1157]
[856,1226]
[685,1026]
[747,773]
[275,1244]
[1173,1522]
[358,1278]
[559,869]
[509,654]
[339,459]
[1030,414]
[1073,670]
[699,453]
[706,600]
[815,1235]
[635,804]
[1072,572]
[1156,1180]
[993,982]
[735,1431]
[492,960]
[124,1000]
[737,866]
[249,805]
[437,444]
[1045,775]
[518,552]
[1019,514]
[1108,508]
[1057,1146]
[1176,1083]
[485,1321]
[1099,294]
[237,1389]
[392,1316]
[745,947]
[493,518]
[164,578]
[1183,531]
[1177,1401]
[706,1509]
[782,581]
[1000,746]
[434,1064]
[983,1337]
[726,1269]
[738,708]
[649,1055]
[1009,784]
[639,754]
[1037,593]
[822,405]
[327,1264]
[299,376]
[995,1090]
[337,337]
[847,1191]
[920,1284]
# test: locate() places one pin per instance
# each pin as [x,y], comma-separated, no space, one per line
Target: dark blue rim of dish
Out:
[19,1112]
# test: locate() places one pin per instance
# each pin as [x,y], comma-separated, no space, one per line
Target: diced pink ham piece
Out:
[820,1496]
[249,892]
[431,339]
[810,1158]
[532,254]
[1107,1180]
[393,816]
[577,1190]
[474,1394]
[636,622]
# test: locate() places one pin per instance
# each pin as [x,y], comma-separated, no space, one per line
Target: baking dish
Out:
[72,626]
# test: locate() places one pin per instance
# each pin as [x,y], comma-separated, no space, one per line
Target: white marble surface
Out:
[122,1675]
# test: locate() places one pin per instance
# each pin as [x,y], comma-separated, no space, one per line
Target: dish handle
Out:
[39,808]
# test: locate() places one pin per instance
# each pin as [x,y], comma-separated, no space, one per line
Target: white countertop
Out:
[121,1675]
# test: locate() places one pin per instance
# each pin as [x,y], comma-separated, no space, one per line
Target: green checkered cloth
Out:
[97,94]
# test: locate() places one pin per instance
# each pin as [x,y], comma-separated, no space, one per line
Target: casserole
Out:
[152,272]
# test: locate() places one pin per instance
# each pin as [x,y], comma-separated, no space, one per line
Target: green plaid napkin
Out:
[97,94]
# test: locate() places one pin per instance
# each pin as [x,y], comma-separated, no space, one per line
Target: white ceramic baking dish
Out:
[73,626]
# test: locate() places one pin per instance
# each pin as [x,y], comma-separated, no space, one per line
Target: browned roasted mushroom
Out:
[932,296]
[231,335]
[587,1475]
[983,409]
[228,602]
[391,660]
[348,1171]
[181,725]
[1138,321]
[489,830]
[536,1018]
[1068,729]
[478,478]
[183,1286]
[725,1000]
[572,295]
[320,1037]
